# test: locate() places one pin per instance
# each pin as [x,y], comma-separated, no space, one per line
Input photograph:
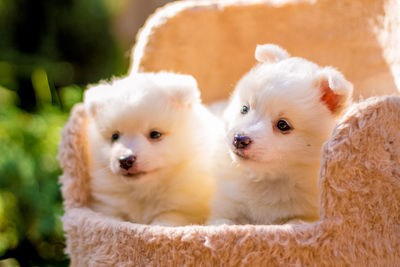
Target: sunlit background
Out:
[49,51]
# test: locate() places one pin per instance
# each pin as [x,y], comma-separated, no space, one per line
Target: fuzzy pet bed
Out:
[360,173]
[360,209]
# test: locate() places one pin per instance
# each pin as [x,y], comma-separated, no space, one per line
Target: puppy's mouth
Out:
[240,154]
[135,175]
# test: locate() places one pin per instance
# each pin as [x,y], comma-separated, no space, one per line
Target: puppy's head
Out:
[142,124]
[283,110]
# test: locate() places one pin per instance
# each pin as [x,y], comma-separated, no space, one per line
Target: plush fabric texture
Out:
[360,209]
[215,40]
[73,158]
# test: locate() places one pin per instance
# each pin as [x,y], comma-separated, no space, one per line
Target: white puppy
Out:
[279,115]
[149,145]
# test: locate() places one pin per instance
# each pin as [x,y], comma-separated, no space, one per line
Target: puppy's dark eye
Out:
[244,109]
[283,126]
[155,135]
[115,136]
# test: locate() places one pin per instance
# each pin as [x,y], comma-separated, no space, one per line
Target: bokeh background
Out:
[49,52]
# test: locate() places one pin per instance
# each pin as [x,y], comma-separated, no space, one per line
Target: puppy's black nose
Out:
[126,162]
[241,141]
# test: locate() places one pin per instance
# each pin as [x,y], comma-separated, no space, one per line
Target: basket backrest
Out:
[215,40]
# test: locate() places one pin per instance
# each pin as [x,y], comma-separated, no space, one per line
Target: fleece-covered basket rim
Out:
[360,193]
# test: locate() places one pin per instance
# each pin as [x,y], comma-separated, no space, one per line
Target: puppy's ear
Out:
[95,97]
[336,91]
[270,53]
[183,90]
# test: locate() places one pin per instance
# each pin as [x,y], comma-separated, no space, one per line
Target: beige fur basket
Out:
[360,173]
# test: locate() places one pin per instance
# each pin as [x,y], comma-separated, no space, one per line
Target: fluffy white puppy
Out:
[279,115]
[149,142]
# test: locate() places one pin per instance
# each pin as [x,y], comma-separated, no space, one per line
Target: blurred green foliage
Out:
[30,202]
[49,51]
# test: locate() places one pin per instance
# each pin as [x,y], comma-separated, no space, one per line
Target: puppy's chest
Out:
[271,201]
[137,205]
[129,207]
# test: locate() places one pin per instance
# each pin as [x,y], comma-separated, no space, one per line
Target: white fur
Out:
[275,180]
[270,53]
[175,185]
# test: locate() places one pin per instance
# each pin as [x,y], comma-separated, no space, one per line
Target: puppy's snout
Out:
[241,141]
[126,162]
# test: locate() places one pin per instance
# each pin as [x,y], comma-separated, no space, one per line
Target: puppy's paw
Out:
[220,222]
[302,220]
[295,221]
[171,219]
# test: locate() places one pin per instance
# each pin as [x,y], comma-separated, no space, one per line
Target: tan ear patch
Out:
[335,90]
[328,97]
